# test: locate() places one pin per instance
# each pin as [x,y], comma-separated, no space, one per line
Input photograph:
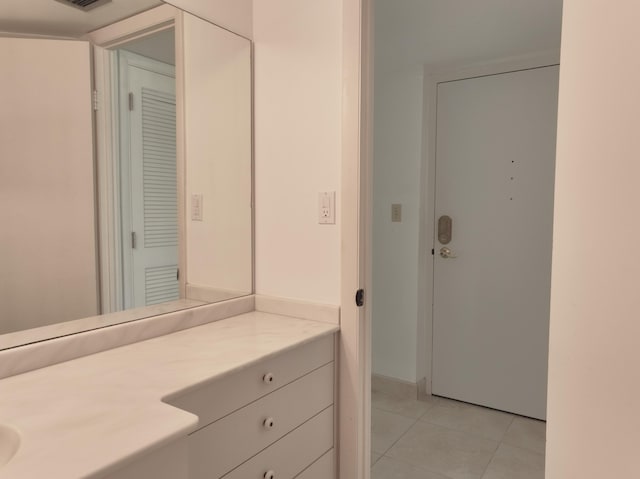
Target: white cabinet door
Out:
[495,166]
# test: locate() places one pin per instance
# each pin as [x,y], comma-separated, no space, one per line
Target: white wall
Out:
[218,152]
[396,174]
[593,422]
[47,207]
[234,15]
[298,67]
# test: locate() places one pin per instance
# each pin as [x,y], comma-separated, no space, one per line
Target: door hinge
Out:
[130,101]
[433,251]
[177,274]
[360,298]
[95,100]
[134,240]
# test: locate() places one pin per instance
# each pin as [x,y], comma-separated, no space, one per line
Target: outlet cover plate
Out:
[327,208]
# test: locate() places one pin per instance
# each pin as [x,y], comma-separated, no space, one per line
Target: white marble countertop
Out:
[89,416]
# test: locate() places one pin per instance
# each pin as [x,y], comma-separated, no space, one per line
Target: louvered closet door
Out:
[154,207]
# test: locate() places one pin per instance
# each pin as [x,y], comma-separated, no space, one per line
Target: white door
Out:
[495,163]
[149,184]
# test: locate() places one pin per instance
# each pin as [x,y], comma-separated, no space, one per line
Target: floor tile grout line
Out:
[430,406]
[417,466]
[449,429]
[409,463]
[513,418]
[397,413]
[484,471]
[530,451]
[427,411]
[465,433]
[503,441]
[420,419]
[459,431]
[384,454]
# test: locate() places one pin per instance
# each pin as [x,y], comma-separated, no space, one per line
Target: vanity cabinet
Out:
[274,419]
[168,462]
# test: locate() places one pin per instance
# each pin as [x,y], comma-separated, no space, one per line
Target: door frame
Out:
[432,77]
[354,355]
[106,122]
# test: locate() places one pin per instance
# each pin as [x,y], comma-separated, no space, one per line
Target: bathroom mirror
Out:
[125,165]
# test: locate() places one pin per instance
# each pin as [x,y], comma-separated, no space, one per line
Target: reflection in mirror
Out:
[147,181]
[218,152]
[157,220]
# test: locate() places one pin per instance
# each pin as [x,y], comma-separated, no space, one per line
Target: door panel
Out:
[495,161]
[152,184]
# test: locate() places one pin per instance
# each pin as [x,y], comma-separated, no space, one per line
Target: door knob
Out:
[446,253]
[269,423]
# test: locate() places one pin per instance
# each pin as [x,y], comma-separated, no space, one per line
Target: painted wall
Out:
[234,15]
[396,179]
[593,423]
[47,207]
[218,152]
[298,67]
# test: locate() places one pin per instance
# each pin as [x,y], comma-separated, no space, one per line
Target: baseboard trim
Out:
[424,389]
[394,387]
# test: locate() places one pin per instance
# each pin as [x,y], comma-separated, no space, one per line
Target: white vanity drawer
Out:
[227,394]
[292,454]
[218,448]
[323,468]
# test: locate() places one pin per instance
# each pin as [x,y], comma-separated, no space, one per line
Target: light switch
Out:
[327,208]
[196,207]
[396,213]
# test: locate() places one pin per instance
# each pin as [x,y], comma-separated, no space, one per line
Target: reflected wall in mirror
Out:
[125,182]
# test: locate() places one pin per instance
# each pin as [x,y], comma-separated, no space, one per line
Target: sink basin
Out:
[9,443]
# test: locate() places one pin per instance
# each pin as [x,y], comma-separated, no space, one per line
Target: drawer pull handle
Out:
[269,475]
[268,378]
[269,423]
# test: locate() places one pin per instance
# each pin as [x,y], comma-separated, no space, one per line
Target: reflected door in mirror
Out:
[149,202]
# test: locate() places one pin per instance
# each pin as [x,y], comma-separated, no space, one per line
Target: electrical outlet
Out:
[327,208]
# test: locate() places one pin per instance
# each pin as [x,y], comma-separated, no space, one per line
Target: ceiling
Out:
[50,17]
[410,33]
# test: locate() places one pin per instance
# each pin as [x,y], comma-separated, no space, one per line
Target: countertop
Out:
[90,415]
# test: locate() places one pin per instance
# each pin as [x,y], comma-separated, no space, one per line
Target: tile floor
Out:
[445,439]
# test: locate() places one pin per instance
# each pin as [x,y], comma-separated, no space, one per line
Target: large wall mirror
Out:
[125,165]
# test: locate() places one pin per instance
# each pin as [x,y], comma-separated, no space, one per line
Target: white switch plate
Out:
[196,207]
[396,213]
[327,208]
